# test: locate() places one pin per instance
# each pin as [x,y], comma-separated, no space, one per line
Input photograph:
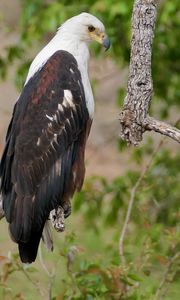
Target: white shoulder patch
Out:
[38,141]
[68,98]
[50,118]
[71,70]
[60,107]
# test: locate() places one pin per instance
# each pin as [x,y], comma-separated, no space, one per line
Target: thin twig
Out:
[165,275]
[34,283]
[51,274]
[131,202]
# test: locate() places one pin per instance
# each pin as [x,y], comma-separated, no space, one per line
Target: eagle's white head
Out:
[85,27]
[73,36]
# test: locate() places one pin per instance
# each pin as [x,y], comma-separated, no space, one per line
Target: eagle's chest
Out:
[88,95]
[87,87]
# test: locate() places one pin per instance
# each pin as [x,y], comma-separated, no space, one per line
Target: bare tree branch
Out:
[131,202]
[127,218]
[163,128]
[50,274]
[23,268]
[164,280]
[134,119]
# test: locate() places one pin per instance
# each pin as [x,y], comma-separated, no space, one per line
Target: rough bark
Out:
[134,119]
[163,128]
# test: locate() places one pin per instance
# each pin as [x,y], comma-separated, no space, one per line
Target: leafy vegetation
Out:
[86,263]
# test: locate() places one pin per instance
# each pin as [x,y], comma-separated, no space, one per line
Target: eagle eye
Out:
[91,28]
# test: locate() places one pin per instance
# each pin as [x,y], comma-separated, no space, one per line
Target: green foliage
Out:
[87,264]
[166,54]
[158,195]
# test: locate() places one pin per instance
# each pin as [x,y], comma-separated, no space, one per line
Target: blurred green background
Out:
[86,263]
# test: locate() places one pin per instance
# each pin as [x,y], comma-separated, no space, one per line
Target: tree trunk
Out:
[134,119]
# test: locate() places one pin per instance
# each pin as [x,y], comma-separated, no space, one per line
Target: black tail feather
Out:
[28,251]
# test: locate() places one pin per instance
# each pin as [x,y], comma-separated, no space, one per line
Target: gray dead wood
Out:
[134,119]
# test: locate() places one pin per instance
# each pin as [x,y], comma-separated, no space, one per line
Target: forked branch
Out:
[134,119]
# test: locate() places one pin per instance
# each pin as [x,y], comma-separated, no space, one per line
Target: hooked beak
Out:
[106,43]
[101,37]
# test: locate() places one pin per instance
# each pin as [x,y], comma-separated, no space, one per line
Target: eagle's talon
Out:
[57,219]
[67,212]
[59,226]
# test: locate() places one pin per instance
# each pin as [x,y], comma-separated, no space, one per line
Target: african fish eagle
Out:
[43,161]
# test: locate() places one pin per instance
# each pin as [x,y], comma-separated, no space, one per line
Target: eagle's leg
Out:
[57,219]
